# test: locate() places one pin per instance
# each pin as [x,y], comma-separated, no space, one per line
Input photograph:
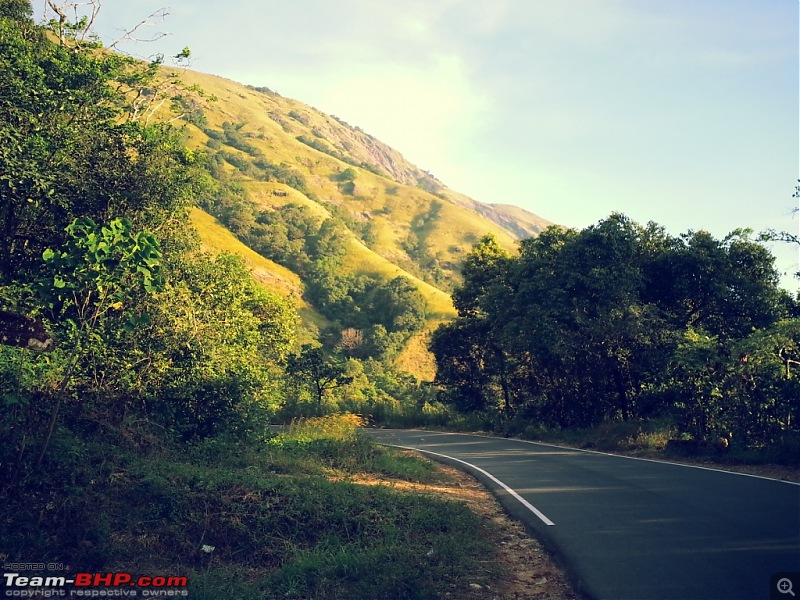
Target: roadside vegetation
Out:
[285,518]
[688,336]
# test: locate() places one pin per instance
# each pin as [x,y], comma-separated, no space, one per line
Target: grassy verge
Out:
[283,519]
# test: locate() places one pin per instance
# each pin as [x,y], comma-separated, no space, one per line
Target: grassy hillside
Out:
[141,442]
[216,238]
[386,191]
[400,220]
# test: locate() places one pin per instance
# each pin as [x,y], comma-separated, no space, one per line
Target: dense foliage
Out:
[152,335]
[620,321]
[140,436]
[138,443]
[156,340]
[384,313]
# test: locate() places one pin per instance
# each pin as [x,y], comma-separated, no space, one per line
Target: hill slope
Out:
[384,189]
[273,153]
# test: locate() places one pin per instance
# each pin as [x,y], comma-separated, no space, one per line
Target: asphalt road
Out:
[635,529]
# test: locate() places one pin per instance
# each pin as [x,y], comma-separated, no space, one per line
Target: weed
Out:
[343,427]
[285,519]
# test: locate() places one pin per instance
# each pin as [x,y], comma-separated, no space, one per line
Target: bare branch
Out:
[150,21]
[95,11]
[62,18]
[80,25]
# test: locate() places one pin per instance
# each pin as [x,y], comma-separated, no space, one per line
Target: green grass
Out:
[286,518]
[337,441]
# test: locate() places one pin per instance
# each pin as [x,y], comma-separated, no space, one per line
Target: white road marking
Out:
[652,460]
[522,500]
[598,452]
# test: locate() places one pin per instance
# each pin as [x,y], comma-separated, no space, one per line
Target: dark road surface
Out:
[635,529]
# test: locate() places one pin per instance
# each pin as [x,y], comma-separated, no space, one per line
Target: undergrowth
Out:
[284,518]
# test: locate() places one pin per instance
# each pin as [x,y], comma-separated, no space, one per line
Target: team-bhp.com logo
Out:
[93,585]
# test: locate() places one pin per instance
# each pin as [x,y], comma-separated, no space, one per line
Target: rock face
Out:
[518,221]
[362,147]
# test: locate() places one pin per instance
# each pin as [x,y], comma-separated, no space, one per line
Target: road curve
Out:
[634,529]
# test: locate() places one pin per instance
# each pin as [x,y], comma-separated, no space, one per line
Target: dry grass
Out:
[216,238]
[416,358]
[340,427]
[271,123]
[269,127]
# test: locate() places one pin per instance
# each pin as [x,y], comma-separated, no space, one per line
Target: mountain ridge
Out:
[364,150]
[272,157]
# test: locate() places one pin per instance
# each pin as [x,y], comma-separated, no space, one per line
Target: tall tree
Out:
[470,356]
[66,150]
[93,212]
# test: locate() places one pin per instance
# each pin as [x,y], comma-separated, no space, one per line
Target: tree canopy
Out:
[621,321]
[94,246]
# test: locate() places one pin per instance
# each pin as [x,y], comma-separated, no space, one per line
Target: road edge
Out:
[514,508]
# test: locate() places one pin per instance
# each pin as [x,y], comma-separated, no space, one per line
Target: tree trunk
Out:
[622,393]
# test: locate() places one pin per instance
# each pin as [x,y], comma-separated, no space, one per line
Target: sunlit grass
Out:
[341,428]
[257,521]
[216,238]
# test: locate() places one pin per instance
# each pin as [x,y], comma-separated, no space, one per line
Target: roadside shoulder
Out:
[519,570]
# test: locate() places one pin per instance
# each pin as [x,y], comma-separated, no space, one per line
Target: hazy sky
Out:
[682,112]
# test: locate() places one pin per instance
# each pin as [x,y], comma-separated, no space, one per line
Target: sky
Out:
[682,112]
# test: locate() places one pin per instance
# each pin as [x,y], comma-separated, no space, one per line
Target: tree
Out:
[461,363]
[397,305]
[764,385]
[697,368]
[310,367]
[95,273]
[18,10]
[328,242]
[210,358]
[481,362]
[570,307]
[348,175]
[183,58]
[485,265]
[67,150]
[93,212]
[727,287]
[579,327]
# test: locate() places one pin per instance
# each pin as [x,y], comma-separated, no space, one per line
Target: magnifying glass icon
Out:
[785,586]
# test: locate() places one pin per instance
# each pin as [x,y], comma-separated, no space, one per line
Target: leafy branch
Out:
[97,271]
